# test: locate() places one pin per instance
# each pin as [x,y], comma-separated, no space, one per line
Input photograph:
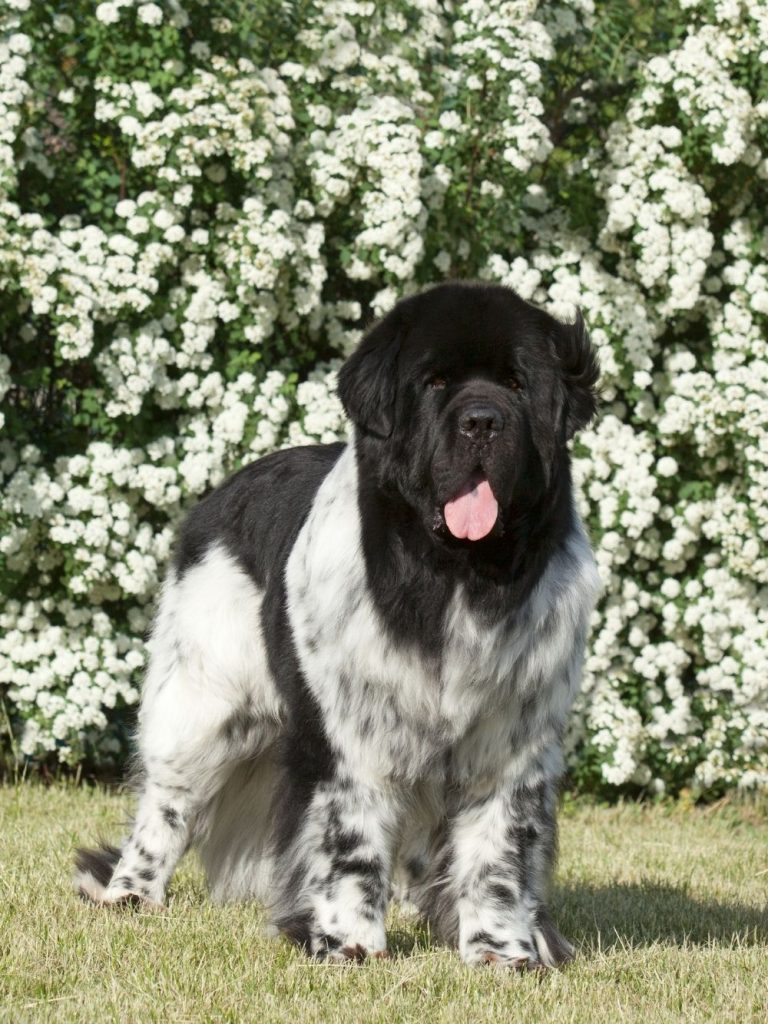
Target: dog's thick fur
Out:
[344,694]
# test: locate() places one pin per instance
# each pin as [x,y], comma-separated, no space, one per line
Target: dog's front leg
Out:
[502,847]
[336,881]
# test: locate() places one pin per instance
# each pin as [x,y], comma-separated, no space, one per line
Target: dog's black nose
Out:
[481,422]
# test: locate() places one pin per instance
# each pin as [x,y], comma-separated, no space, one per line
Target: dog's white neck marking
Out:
[387,705]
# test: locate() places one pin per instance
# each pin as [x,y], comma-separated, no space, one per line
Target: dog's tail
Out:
[94,870]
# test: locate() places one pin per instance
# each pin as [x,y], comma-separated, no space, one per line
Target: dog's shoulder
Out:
[258,512]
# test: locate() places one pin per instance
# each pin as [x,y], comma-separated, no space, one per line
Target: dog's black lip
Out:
[438,520]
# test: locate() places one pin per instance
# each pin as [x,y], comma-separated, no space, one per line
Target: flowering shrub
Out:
[202,205]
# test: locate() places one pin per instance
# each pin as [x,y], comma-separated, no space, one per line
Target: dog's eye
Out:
[437,383]
[513,383]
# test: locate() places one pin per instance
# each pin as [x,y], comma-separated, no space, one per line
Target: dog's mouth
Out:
[472,514]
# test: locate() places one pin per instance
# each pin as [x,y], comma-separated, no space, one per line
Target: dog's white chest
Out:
[380,699]
[384,703]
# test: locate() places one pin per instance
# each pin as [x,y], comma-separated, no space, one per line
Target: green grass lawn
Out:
[666,905]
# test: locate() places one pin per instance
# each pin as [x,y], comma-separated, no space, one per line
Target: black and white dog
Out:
[365,654]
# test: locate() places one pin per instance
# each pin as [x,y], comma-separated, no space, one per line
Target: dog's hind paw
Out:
[94,870]
[96,883]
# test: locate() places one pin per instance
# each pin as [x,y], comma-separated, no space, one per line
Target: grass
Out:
[666,905]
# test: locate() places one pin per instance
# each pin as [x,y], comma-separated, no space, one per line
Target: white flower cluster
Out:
[564,273]
[253,215]
[14,50]
[376,147]
[656,215]
[321,417]
[498,52]
[65,676]
[697,73]
[147,13]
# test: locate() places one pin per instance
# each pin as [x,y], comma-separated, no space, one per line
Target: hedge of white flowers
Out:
[203,204]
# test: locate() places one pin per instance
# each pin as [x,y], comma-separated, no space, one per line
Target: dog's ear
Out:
[580,370]
[368,379]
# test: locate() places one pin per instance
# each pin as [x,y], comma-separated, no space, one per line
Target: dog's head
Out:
[467,395]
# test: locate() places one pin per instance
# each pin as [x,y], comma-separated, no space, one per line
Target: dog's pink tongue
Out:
[472,513]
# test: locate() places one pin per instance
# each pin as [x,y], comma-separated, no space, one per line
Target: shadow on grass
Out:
[601,918]
[628,915]
[411,940]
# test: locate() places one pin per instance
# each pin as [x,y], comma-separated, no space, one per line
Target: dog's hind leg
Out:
[190,743]
[208,703]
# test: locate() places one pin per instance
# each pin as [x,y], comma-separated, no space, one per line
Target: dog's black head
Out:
[464,398]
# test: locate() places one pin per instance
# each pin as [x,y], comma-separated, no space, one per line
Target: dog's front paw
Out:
[334,937]
[521,964]
[354,939]
[525,941]
[336,954]
[123,896]
[103,877]
[500,951]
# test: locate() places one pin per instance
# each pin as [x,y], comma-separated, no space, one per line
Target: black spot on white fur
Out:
[171,816]
[340,689]
[94,869]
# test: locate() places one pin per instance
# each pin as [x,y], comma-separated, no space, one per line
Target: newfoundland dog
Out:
[365,654]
